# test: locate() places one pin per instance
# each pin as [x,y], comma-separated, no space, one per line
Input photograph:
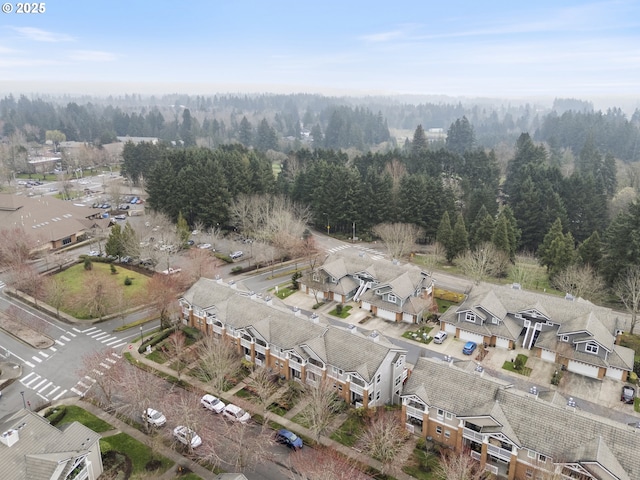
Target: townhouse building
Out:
[574,333]
[364,367]
[516,435]
[33,449]
[389,290]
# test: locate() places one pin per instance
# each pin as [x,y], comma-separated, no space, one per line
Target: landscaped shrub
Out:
[127,281]
[339,309]
[55,414]
[87,263]
[113,269]
[156,339]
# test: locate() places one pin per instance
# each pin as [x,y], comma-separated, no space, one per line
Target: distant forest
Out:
[560,182]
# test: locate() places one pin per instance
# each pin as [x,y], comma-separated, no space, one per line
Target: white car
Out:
[440,337]
[235,413]
[185,436]
[212,403]
[94,253]
[205,246]
[237,254]
[154,417]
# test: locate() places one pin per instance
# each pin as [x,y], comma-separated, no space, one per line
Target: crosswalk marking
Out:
[87,330]
[83,385]
[76,330]
[118,345]
[2,285]
[115,340]
[100,336]
[45,387]
[59,395]
[77,392]
[54,390]
[29,364]
[92,380]
[110,360]
[65,338]
[35,387]
[60,343]
[109,339]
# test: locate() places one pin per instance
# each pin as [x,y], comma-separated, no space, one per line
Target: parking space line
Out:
[37,359]
[65,338]
[43,354]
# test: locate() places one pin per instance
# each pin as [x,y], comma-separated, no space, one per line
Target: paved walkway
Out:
[230,396]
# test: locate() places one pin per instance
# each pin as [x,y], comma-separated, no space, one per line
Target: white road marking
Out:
[87,330]
[98,372]
[60,343]
[113,341]
[101,336]
[83,385]
[65,338]
[76,391]
[54,390]
[29,364]
[43,354]
[59,395]
[37,359]
[27,376]
[109,339]
[45,387]
[72,334]
[119,345]
[90,379]
[53,349]
[110,360]
[76,330]
[35,387]
[28,384]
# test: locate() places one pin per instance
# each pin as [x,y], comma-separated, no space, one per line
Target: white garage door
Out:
[615,373]
[450,328]
[473,337]
[366,305]
[386,314]
[548,355]
[407,317]
[583,369]
[502,342]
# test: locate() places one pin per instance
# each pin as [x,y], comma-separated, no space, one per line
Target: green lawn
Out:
[508,365]
[349,431]
[421,335]
[284,292]
[343,314]
[77,414]
[139,453]
[75,281]
[157,356]
[421,464]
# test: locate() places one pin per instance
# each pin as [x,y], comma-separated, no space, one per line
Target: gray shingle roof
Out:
[41,446]
[544,426]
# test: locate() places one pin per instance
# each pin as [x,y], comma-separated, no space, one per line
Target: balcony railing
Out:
[310,367]
[498,452]
[245,343]
[259,348]
[217,329]
[472,435]
[415,412]
[356,388]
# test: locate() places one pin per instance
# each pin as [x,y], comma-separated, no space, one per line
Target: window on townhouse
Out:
[392,298]
[564,338]
[528,473]
[494,320]
[531,454]
[447,434]
[333,280]
[336,371]
[591,347]
[449,416]
[378,395]
[398,380]
[315,277]
[439,430]
[378,378]
[542,458]
[440,413]
[470,317]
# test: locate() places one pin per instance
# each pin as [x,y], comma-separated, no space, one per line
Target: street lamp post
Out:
[23,402]
[328,225]
[353,238]
[141,334]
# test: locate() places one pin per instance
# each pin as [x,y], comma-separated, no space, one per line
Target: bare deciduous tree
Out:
[15,246]
[107,383]
[627,288]
[580,281]
[458,466]
[162,295]
[96,296]
[140,390]
[201,264]
[483,261]
[55,292]
[322,403]
[176,343]
[384,437]
[263,383]
[324,463]
[522,271]
[218,358]
[399,238]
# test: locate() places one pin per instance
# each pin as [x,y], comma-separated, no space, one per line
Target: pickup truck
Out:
[171,271]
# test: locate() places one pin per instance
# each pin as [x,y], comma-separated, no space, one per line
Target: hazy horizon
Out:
[502,50]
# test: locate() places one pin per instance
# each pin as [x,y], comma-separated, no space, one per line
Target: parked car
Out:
[204,246]
[154,417]
[120,217]
[289,439]
[469,348]
[440,337]
[185,436]
[133,200]
[94,253]
[171,271]
[212,403]
[237,254]
[628,394]
[235,413]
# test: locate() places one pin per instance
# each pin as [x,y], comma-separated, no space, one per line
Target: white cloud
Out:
[92,56]
[39,35]
[383,36]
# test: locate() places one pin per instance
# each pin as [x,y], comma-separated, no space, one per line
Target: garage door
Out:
[502,342]
[386,314]
[407,317]
[583,369]
[450,328]
[366,305]
[614,373]
[473,337]
[548,355]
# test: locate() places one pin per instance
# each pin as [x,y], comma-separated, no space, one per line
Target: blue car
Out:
[469,347]
[289,439]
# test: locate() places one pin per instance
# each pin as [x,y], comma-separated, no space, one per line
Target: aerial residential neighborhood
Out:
[336,241]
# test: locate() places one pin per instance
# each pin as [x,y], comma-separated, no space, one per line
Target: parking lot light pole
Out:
[24,404]
[140,334]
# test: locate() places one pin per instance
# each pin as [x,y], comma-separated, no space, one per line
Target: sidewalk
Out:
[120,426]
[230,396]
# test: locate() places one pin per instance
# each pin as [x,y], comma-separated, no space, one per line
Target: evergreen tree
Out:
[186,129]
[500,236]
[459,239]
[445,234]
[460,136]
[267,138]
[420,143]
[482,228]
[245,135]
[115,245]
[557,249]
[622,243]
[590,251]
[182,229]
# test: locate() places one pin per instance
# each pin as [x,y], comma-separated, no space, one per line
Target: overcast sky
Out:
[449,47]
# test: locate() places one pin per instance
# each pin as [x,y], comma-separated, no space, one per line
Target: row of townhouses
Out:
[389,290]
[578,335]
[513,434]
[366,370]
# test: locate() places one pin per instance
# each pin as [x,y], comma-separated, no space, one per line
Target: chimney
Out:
[10,437]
